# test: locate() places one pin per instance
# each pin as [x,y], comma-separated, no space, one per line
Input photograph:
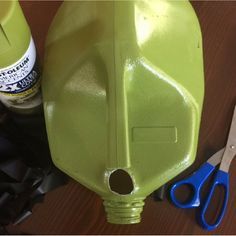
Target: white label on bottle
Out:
[20,82]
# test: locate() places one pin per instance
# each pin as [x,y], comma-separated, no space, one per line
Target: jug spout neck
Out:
[122,212]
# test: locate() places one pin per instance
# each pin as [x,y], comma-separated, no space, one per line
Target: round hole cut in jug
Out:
[124,210]
[121,182]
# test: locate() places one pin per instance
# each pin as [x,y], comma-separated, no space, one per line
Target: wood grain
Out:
[73,209]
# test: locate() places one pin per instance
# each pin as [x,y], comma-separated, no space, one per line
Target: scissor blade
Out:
[216,158]
[232,133]
[230,149]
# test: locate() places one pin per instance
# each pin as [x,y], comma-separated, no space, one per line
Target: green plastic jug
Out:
[123,88]
[19,70]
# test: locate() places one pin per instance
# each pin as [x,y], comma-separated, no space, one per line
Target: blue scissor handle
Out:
[221,179]
[196,180]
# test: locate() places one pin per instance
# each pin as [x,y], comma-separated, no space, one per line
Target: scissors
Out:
[223,157]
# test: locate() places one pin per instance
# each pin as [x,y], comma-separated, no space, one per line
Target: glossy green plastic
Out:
[14,33]
[123,87]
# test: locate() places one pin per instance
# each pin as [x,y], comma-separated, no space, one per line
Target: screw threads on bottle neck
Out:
[124,212]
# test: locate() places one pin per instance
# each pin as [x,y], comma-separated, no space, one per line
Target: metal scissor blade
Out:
[232,133]
[230,149]
[216,158]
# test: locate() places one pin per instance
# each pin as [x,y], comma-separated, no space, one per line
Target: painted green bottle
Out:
[19,70]
[123,87]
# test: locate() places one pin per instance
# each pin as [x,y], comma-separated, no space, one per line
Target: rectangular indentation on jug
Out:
[161,134]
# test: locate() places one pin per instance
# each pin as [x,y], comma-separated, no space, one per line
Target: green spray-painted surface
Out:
[123,88]
[14,33]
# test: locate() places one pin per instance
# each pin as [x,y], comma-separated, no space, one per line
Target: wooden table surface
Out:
[73,209]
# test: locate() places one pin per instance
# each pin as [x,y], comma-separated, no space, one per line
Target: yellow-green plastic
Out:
[14,33]
[123,88]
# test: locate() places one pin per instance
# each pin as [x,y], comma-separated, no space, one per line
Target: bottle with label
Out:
[19,70]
